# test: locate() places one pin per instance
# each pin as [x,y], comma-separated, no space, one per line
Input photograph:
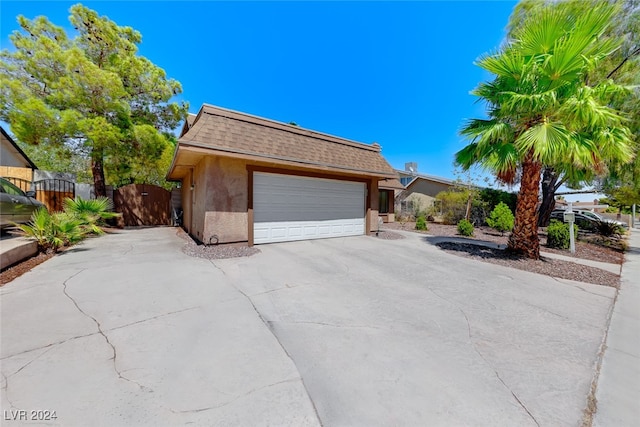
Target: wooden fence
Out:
[143,204]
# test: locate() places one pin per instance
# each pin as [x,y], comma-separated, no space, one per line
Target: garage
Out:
[288,208]
[248,179]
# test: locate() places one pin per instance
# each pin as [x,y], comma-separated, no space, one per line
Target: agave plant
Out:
[608,229]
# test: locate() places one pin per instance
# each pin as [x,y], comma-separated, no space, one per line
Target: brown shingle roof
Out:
[231,132]
[390,184]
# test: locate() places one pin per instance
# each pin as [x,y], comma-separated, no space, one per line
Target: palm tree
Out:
[543,112]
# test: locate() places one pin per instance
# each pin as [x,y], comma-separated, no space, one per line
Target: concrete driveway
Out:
[128,330]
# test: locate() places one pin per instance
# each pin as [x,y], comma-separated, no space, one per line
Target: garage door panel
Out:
[287,208]
[286,198]
[269,232]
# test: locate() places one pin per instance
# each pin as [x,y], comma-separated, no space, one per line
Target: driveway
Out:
[128,330]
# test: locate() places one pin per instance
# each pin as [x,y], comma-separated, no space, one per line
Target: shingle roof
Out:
[229,132]
[390,184]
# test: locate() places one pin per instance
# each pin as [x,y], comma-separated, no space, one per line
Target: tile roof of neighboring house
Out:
[228,133]
[15,148]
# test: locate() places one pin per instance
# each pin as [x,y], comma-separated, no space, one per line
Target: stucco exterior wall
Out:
[225,215]
[429,188]
[199,197]
[422,193]
[187,200]
[374,201]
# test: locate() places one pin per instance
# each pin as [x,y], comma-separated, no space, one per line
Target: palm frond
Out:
[541,31]
[546,139]
[507,64]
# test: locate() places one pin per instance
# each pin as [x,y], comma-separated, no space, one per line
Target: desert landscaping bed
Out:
[550,267]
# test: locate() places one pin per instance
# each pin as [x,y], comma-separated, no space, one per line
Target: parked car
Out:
[16,206]
[586,220]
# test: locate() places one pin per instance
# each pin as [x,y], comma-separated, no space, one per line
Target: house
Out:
[419,191]
[249,179]
[14,163]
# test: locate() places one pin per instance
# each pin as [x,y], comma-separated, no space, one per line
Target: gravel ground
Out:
[388,235]
[19,269]
[191,248]
[547,266]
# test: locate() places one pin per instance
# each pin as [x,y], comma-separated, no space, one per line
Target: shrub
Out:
[453,205]
[608,229]
[421,223]
[91,213]
[52,231]
[493,197]
[501,218]
[558,234]
[80,218]
[465,228]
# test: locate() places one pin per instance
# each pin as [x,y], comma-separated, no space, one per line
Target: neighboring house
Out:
[14,163]
[420,190]
[250,179]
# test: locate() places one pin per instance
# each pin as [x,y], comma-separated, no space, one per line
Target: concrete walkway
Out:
[618,392]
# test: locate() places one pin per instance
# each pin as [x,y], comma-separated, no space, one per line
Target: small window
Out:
[405,180]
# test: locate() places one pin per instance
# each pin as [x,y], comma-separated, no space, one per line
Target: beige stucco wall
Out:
[422,193]
[225,213]
[218,201]
[429,188]
[374,202]
[187,200]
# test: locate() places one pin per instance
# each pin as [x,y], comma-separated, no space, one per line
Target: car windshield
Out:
[591,215]
[9,188]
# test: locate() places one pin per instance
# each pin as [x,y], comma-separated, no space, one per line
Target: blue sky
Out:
[396,73]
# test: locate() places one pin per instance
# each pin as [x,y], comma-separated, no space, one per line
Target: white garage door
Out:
[287,208]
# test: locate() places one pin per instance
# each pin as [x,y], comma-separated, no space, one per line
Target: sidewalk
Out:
[618,391]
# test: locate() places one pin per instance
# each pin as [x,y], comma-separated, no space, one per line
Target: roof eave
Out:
[22,153]
[207,149]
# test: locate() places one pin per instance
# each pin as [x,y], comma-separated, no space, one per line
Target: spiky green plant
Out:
[53,231]
[92,213]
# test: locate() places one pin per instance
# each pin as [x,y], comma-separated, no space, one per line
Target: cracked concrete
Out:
[355,331]
[102,332]
[142,339]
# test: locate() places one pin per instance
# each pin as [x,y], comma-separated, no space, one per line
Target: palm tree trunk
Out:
[524,239]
